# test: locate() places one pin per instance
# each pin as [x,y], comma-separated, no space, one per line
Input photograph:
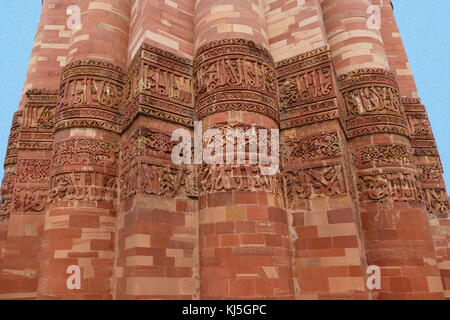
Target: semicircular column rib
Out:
[80,221]
[391,202]
[244,239]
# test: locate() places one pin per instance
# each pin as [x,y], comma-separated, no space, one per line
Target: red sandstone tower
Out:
[90,181]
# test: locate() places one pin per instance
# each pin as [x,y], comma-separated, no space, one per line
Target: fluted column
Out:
[80,222]
[49,53]
[27,161]
[244,239]
[423,142]
[6,206]
[157,253]
[391,202]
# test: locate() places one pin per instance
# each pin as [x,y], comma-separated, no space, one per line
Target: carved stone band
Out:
[372,103]
[235,74]
[95,88]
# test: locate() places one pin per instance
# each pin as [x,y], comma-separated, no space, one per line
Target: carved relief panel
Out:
[158,84]
[372,103]
[235,74]
[307,88]
[389,185]
[297,150]
[90,96]
[314,182]
[427,157]
[31,186]
[152,179]
[383,155]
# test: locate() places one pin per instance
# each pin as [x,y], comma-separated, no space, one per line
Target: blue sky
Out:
[424,26]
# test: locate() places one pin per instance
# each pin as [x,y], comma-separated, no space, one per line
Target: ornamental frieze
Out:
[383,155]
[222,178]
[431,180]
[437,202]
[158,84]
[9,178]
[6,193]
[371,103]
[42,96]
[85,152]
[303,61]
[90,91]
[157,180]
[83,186]
[231,74]
[372,99]
[166,59]
[314,182]
[366,75]
[88,123]
[247,135]
[234,73]
[306,86]
[90,96]
[314,147]
[93,67]
[231,46]
[38,117]
[11,151]
[33,171]
[149,142]
[237,100]
[420,125]
[309,109]
[309,119]
[430,172]
[389,185]
[426,152]
[166,85]
[415,143]
[38,145]
[30,200]
[369,127]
